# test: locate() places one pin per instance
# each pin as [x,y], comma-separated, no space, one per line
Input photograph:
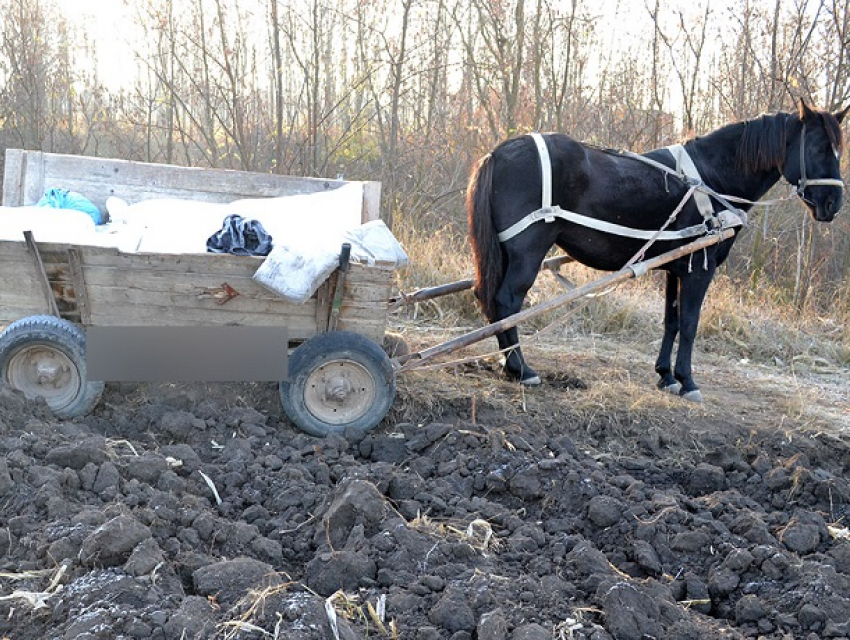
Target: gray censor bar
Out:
[187,354]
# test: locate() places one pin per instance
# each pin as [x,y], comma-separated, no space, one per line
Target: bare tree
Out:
[35,100]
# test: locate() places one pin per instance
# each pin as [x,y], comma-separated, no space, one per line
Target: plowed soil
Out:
[591,507]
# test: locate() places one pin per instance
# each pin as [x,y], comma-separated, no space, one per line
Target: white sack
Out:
[374,242]
[295,275]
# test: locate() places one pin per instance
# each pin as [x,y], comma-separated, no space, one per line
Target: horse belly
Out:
[597,250]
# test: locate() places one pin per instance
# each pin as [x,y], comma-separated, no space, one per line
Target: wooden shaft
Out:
[413,360]
[429,293]
[52,308]
[336,300]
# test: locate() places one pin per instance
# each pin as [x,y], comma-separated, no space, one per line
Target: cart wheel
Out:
[338,380]
[44,356]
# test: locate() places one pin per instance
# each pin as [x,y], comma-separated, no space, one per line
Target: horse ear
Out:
[804,111]
[840,114]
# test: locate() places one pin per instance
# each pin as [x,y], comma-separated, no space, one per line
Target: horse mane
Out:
[762,146]
[763,142]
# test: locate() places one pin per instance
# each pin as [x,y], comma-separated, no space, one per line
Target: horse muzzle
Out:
[831,209]
[824,204]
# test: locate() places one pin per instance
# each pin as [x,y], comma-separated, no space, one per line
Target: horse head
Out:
[813,161]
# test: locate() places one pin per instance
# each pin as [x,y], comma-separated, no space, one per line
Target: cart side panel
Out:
[365,300]
[28,174]
[123,289]
[186,290]
[21,293]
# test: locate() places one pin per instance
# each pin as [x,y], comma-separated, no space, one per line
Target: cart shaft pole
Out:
[414,360]
[429,293]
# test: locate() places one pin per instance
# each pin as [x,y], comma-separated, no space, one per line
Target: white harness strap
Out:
[548,213]
[545,170]
[685,166]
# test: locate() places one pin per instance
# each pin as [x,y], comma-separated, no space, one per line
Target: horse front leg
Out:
[664,366]
[691,296]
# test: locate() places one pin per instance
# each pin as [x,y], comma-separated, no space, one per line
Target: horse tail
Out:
[486,250]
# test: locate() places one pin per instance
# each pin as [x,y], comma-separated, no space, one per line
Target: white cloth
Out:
[307,231]
[183,226]
[47,224]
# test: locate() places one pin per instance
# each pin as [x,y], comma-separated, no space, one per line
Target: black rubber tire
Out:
[344,361]
[56,344]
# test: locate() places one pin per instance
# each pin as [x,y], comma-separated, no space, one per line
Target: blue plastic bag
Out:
[65,199]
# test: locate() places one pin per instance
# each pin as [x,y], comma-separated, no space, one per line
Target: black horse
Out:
[737,164]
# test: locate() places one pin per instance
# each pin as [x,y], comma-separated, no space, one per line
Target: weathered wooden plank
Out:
[15,252]
[175,282]
[13,177]
[374,266]
[371,201]
[367,292]
[190,284]
[370,275]
[102,286]
[372,330]
[210,263]
[79,283]
[100,295]
[107,176]
[299,327]
[323,302]
[47,291]
[25,296]
[327,312]
[372,285]
[10,311]
[17,274]
[364,305]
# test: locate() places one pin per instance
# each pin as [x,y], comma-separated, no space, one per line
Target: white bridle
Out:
[817,182]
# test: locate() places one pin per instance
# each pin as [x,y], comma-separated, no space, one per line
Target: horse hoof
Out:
[673,389]
[531,381]
[693,396]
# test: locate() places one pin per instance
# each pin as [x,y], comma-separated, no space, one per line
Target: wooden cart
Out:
[339,377]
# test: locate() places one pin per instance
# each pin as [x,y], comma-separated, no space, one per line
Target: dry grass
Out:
[758,360]
[737,321]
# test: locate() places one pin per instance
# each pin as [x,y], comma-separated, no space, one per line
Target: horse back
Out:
[602,184]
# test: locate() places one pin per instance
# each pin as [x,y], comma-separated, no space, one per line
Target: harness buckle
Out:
[547,214]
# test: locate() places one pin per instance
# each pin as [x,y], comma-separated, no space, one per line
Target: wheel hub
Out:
[41,370]
[339,391]
[49,372]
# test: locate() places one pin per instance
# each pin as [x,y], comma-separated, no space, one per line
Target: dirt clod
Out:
[201,512]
